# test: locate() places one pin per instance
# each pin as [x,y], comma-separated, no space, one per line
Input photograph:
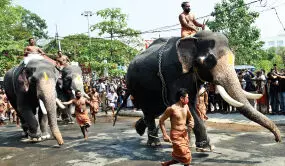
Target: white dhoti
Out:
[112,105]
[31,57]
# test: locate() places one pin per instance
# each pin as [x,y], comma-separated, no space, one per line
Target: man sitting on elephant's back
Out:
[188,21]
[32,51]
[61,60]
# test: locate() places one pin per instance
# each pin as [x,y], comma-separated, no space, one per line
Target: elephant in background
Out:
[154,77]
[33,89]
[71,80]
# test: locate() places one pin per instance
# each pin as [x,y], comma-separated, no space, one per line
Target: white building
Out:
[274,41]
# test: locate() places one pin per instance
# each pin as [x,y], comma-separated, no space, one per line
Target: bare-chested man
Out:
[81,112]
[94,103]
[32,51]
[179,115]
[61,60]
[188,22]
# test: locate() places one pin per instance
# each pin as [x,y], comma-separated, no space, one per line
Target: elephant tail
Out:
[122,105]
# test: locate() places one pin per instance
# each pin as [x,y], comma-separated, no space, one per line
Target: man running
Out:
[188,22]
[180,116]
[81,112]
[94,103]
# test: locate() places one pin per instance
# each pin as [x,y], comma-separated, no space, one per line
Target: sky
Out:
[142,15]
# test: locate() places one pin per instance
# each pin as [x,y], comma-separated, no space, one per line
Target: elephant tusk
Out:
[86,96]
[59,103]
[43,108]
[73,92]
[227,97]
[251,95]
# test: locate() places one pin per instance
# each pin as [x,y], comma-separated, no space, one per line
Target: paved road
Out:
[236,144]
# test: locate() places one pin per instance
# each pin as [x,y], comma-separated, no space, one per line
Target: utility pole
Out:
[57,38]
[88,14]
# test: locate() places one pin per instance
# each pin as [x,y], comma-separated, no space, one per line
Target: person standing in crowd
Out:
[281,80]
[202,103]
[262,104]
[188,22]
[2,112]
[249,87]
[180,116]
[273,91]
[81,112]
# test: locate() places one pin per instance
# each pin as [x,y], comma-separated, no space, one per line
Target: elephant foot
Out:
[24,134]
[32,140]
[204,147]
[46,136]
[153,141]
[140,126]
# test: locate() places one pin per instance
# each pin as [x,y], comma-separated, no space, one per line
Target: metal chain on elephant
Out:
[164,90]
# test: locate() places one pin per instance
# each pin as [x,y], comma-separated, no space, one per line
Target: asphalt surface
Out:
[237,142]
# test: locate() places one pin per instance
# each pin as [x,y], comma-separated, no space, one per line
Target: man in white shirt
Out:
[112,98]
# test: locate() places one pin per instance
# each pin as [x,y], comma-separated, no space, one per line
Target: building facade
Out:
[275,41]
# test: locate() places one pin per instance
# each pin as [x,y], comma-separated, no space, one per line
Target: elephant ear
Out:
[23,81]
[186,50]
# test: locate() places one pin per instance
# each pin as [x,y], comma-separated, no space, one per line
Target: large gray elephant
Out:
[31,89]
[71,80]
[154,77]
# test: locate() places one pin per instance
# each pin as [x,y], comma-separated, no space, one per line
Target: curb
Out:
[217,117]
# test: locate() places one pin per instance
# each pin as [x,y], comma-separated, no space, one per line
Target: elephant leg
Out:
[32,122]
[43,120]
[202,139]
[66,115]
[153,139]
[24,125]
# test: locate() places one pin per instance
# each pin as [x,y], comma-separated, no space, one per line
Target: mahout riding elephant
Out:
[71,80]
[154,77]
[33,89]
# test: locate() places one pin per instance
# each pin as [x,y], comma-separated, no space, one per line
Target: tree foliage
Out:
[235,20]
[274,55]
[77,48]
[17,25]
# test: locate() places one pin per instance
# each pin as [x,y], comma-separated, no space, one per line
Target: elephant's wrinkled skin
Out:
[39,84]
[186,63]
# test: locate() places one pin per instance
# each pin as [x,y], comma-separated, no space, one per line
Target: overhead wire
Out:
[263,3]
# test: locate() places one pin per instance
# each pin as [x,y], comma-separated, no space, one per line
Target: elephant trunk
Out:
[225,75]
[47,93]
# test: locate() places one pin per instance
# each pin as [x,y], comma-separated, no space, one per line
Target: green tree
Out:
[17,25]
[123,38]
[235,20]
[76,47]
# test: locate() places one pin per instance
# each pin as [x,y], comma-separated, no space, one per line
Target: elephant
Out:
[71,80]
[154,76]
[31,89]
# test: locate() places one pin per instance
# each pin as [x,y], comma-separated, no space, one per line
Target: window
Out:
[280,43]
